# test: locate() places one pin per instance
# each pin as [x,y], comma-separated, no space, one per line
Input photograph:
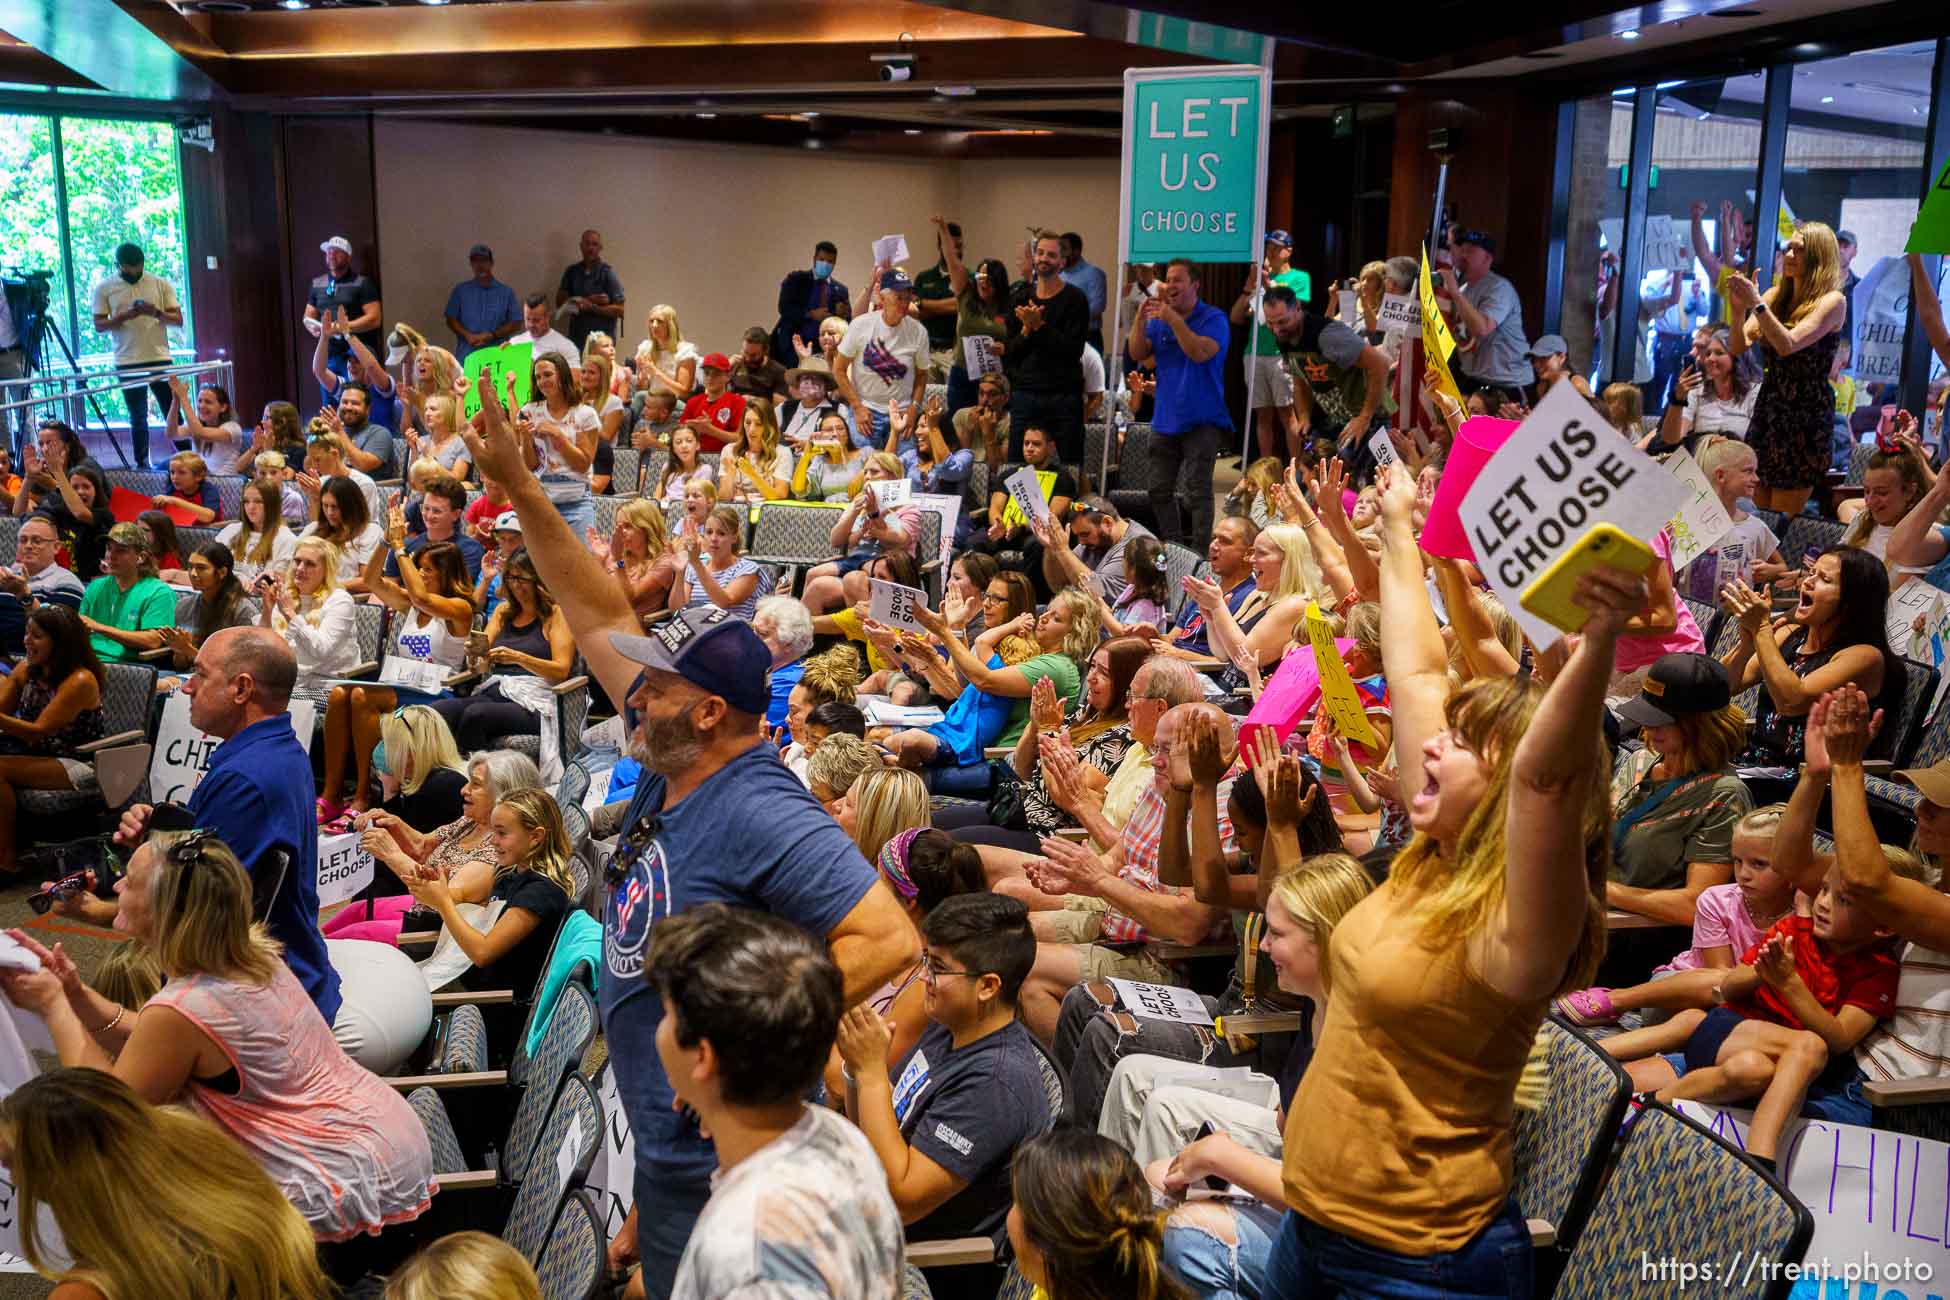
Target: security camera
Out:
[894,67]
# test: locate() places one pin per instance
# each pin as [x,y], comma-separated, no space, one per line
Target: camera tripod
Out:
[34,332]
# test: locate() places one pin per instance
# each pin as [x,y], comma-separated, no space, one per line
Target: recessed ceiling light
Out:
[433,2]
[1629,34]
[912,130]
[222,7]
[294,4]
[706,117]
[811,112]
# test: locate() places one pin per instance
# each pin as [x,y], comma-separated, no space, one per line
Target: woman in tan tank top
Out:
[1397,1159]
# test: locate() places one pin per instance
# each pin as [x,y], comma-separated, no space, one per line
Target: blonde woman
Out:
[639,553]
[99,1158]
[713,571]
[1797,324]
[234,1034]
[830,464]
[754,466]
[530,882]
[259,541]
[594,382]
[883,803]
[665,360]
[315,614]
[1286,577]
[465,1264]
[441,417]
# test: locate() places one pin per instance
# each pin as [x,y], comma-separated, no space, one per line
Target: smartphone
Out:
[1212,1181]
[477,643]
[60,891]
[1550,595]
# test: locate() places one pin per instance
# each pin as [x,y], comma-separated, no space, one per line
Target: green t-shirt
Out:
[1063,674]
[148,604]
[1264,344]
[933,284]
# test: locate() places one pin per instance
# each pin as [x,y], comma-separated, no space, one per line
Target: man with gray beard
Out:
[716,818]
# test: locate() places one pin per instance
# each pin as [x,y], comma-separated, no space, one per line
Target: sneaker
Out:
[1587,1008]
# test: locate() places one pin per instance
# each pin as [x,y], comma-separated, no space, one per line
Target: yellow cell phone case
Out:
[1549,596]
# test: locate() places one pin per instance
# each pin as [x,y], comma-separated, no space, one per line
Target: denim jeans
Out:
[1218,1270]
[137,400]
[874,436]
[580,515]
[1309,1260]
[666,1211]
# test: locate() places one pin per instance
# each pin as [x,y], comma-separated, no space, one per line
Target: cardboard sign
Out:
[1027,494]
[517,359]
[890,492]
[1399,314]
[1479,438]
[893,605]
[978,356]
[1662,244]
[1337,687]
[1437,342]
[889,250]
[1287,697]
[1383,448]
[1880,1200]
[1162,1002]
[344,868]
[1931,231]
[1701,520]
[948,507]
[182,753]
[1563,471]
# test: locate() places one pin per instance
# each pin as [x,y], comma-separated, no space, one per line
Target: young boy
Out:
[1750,552]
[947,1120]
[194,493]
[799,1204]
[484,509]
[274,467]
[1792,1013]
[658,422]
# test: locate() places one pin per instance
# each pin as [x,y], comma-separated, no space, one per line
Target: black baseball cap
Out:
[1678,684]
[710,648]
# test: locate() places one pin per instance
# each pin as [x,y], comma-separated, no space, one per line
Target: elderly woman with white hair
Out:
[786,627]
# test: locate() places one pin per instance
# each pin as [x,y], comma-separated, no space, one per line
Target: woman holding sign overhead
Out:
[1797,324]
[865,528]
[1398,1146]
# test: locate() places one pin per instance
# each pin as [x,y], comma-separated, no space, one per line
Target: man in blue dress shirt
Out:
[481,311]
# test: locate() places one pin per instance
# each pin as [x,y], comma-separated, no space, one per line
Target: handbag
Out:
[1005,803]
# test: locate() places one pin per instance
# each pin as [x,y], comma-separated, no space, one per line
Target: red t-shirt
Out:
[727,413]
[1865,978]
[480,516]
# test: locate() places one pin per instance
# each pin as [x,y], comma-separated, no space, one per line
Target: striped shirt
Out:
[1914,1043]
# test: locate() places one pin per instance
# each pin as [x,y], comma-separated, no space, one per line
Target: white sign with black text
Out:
[1027,494]
[893,605]
[344,869]
[1400,314]
[1162,1002]
[183,753]
[890,492]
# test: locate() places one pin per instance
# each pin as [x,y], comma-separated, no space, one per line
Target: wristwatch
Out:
[1759,309]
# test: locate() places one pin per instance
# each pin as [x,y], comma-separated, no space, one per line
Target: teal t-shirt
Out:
[1063,674]
[1264,344]
[148,604]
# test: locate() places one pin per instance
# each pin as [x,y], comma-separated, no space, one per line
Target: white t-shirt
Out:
[283,543]
[1748,543]
[565,485]
[1093,372]
[141,339]
[668,364]
[221,457]
[884,358]
[552,341]
[1708,414]
[610,402]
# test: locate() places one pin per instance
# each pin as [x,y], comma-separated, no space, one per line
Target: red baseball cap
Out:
[715,361]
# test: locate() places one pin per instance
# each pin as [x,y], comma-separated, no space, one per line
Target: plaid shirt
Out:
[1143,833]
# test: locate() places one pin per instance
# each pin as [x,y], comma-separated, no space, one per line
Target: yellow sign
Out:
[1337,685]
[1437,341]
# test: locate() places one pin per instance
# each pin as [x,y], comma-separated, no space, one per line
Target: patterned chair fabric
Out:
[1775,520]
[465,1050]
[1096,436]
[576,1112]
[606,509]
[1015,1286]
[571,1028]
[793,533]
[1180,563]
[230,495]
[626,478]
[369,625]
[1132,495]
[126,706]
[653,469]
[575,1259]
[1805,533]
[914,1284]
[1919,688]
[1858,462]
[1678,1192]
[1560,1149]
[1706,616]
[447,1157]
[9,537]
[143,482]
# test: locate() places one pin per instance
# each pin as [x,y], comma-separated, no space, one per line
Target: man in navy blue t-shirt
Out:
[716,817]
[1189,413]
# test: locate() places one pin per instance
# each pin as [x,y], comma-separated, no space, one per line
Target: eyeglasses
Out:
[931,972]
[1000,600]
[33,541]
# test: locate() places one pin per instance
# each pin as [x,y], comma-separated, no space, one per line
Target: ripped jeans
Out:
[1198,1253]
[1091,1037]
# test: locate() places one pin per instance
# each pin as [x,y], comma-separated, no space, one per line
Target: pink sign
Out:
[1291,694]
[1477,440]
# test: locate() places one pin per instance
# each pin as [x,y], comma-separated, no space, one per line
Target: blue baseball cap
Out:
[897,281]
[1279,237]
[710,648]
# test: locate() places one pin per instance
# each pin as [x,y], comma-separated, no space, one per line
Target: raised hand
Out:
[1610,597]
[1775,963]
[1397,494]
[1750,607]
[1203,757]
[1846,724]
[1045,710]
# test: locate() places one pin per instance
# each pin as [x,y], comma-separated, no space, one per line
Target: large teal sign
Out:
[1194,164]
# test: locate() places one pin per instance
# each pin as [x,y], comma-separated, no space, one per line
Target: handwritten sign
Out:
[1162,1002]
[978,356]
[890,492]
[892,604]
[344,869]
[1563,471]
[1931,231]
[1662,246]
[890,250]
[1337,689]
[1437,341]
[1908,617]
[1027,494]
[182,753]
[416,674]
[1701,520]
[1880,1200]
[489,365]
[1400,314]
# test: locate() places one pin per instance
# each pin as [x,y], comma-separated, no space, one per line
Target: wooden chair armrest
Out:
[571,686]
[368,669]
[949,1253]
[472,1181]
[461,679]
[1074,834]
[1542,1232]
[1261,1022]
[1620,920]
[420,939]
[1182,951]
[159,655]
[1878,766]
[115,741]
[998,751]
[493,998]
[1907,1092]
[458,1079]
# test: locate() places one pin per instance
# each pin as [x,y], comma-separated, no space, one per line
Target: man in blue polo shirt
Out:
[482,311]
[256,794]
[1188,338]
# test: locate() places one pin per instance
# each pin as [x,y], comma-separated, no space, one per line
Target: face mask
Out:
[821,270]
[132,276]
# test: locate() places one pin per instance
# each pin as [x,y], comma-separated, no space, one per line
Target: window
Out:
[1603,127]
[120,182]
